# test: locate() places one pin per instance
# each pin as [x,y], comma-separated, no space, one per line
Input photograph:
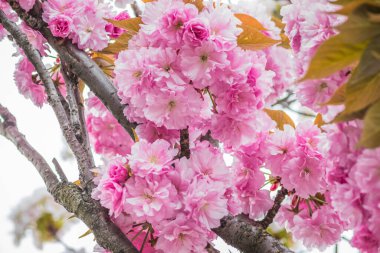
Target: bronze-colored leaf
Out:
[131,25]
[339,96]
[318,121]
[250,21]
[363,88]
[334,55]
[253,39]
[280,117]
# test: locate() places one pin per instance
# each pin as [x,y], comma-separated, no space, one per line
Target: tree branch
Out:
[247,236]
[268,219]
[8,128]
[107,234]
[59,170]
[79,62]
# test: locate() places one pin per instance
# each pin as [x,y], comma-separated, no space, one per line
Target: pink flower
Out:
[347,202]
[180,235]
[61,26]
[200,63]
[27,5]
[151,199]
[174,110]
[118,173]
[364,240]
[113,31]
[151,158]
[305,175]
[320,230]
[233,132]
[205,163]
[107,135]
[196,31]
[205,203]
[90,32]
[26,85]
[366,172]
[171,24]
[111,195]
[150,132]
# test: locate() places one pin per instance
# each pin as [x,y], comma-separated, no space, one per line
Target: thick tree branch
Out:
[79,62]
[70,196]
[248,236]
[53,96]
[8,128]
[281,194]
[107,234]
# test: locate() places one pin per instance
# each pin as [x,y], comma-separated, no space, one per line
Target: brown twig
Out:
[268,219]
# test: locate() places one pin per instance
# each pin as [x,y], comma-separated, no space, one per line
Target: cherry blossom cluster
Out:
[178,202]
[184,71]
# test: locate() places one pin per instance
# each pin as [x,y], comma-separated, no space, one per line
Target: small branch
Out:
[184,142]
[208,137]
[59,171]
[8,128]
[268,219]
[74,111]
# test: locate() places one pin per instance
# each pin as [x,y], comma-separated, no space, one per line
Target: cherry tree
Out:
[176,85]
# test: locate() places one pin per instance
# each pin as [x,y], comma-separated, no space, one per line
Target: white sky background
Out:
[18,178]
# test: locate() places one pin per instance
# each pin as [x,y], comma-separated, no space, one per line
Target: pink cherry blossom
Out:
[26,85]
[151,199]
[111,195]
[151,158]
[179,236]
[61,26]
[205,204]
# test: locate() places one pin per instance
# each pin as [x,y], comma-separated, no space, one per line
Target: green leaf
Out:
[370,137]
[363,89]
[280,117]
[334,55]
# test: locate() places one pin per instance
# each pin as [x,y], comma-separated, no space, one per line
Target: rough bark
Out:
[248,236]
[107,234]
